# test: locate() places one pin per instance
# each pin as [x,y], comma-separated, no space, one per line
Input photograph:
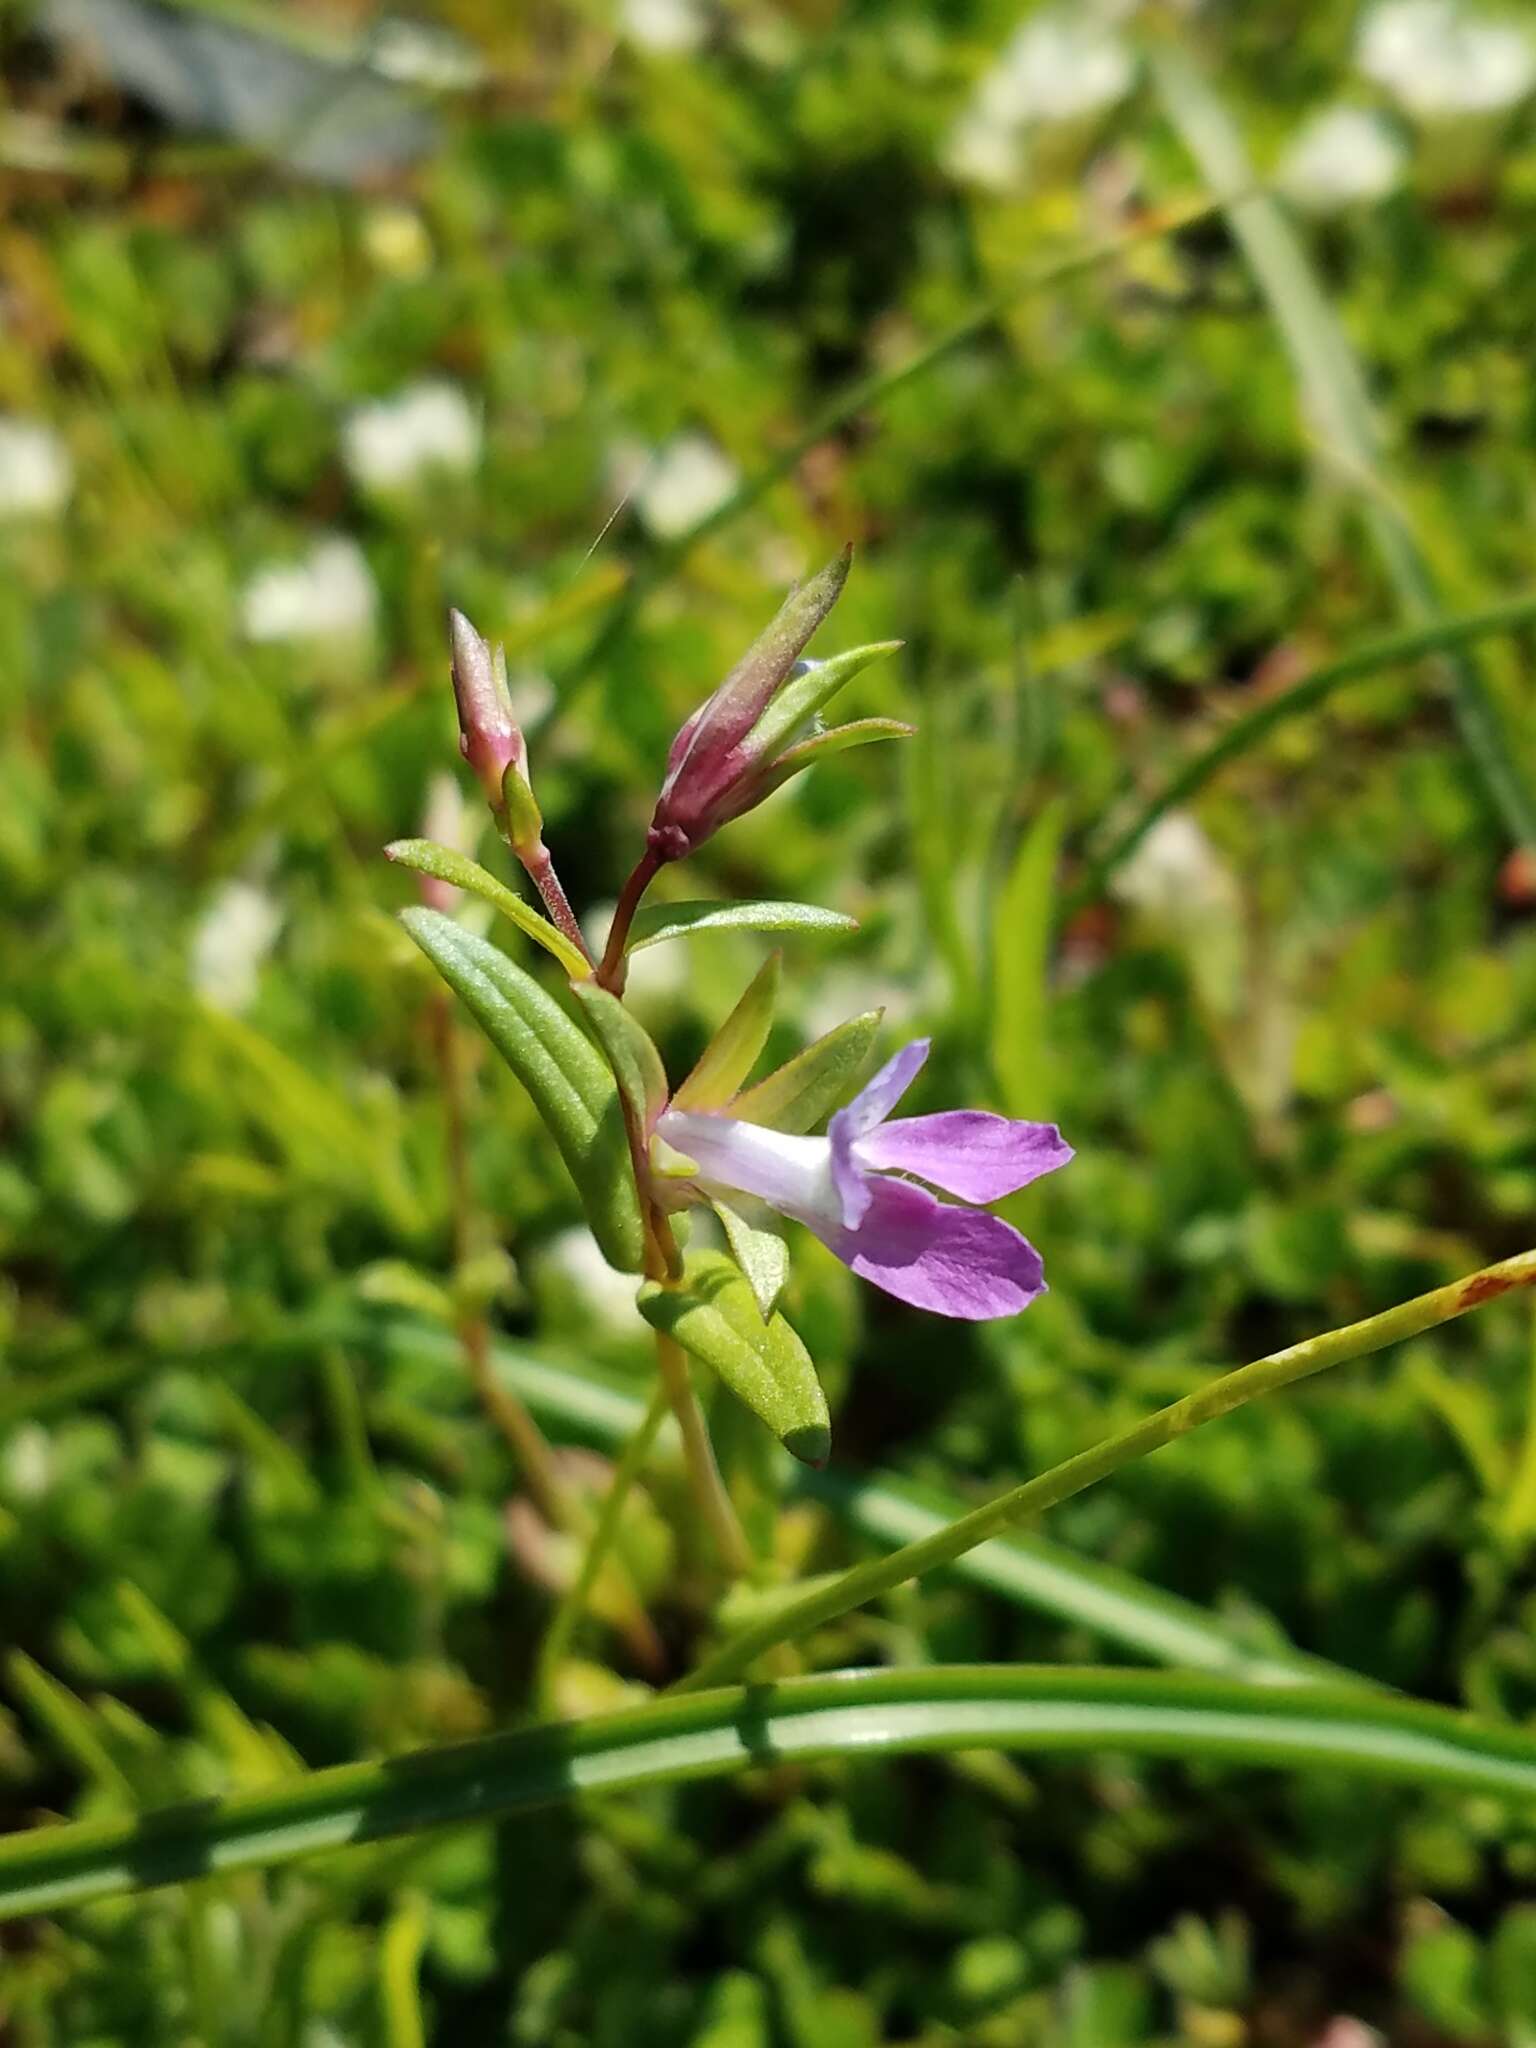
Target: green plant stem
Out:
[1305,695]
[1233,1390]
[573,1604]
[842,1715]
[709,1492]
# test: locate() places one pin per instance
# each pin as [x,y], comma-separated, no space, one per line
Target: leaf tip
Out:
[811,1444]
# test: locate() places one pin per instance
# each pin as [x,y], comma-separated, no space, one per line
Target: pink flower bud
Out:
[717,761]
[489,738]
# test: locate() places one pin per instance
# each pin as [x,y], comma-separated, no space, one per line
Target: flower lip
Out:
[851,1189]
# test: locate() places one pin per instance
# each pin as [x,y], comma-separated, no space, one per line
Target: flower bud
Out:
[489,738]
[742,743]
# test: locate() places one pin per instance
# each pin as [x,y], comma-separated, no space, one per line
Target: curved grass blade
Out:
[661,921]
[848,1714]
[426,857]
[1340,407]
[1305,695]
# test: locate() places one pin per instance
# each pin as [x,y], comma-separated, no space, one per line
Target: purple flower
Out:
[850,1188]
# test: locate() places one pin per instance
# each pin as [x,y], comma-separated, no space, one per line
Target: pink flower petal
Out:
[967,1152]
[957,1262]
[877,1098]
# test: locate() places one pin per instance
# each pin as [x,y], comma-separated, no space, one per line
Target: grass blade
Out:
[1305,695]
[1042,1712]
[1339,407]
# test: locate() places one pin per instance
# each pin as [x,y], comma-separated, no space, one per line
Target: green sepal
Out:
[772,654]
[733,1052]
[762,1255]
[805,696]
[630,1050]
[444,864]
[563,1071]
[713,1316]
[525,821]
[678,920]
[796,1096]
[863,732]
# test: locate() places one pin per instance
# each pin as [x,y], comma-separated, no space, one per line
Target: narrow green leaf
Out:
[1312,690]
[567,1077]
[1021,940]
[661,921]
[796,1096]
[1342,414]
[714,1317]
[838,739]
[630,1049]
[426,857]
[762,1255]
[803,697]
[1041,1712]
[733,1051]
[773,653]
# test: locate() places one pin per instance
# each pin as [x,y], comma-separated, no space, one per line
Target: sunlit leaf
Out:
[680,920]
[564,1073]
[762,1255]
[732,1053]
[630,1049]
[796,1096]
[714,1317]
[426,857]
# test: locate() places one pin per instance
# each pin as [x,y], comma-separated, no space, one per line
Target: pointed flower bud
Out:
[741,744]
[489,738]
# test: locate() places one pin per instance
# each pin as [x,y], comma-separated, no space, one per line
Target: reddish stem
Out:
[611,974]
[541,872]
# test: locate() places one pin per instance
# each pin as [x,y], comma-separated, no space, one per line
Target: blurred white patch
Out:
[1058,74]
[1175,870]
[231,941]
[1440,62]
[609,1295]
[328,594]
[36,473]
[392,443]
[26,1466]
[417,53]
[670,27]
[1344,156]
[687,480]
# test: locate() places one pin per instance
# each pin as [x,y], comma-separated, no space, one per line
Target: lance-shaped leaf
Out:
[660,921]
[762,1255]
[631,1053]
[738,702]
[426,857]
[863,732]
[804,696]
[796,1096]
[714,1317]
[563,1071]
[733,1051]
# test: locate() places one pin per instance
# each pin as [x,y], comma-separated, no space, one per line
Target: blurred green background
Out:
[591,319]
